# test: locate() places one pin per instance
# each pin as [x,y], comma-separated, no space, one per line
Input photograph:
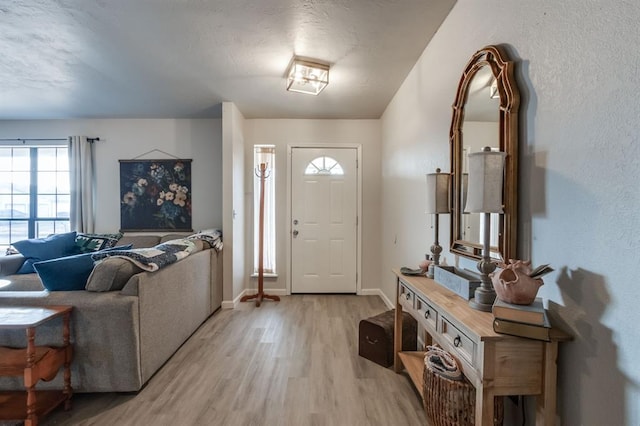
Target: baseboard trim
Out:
[227,304]
[377,292]
[232,304]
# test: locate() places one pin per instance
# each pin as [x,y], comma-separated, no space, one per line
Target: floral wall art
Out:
[155,195]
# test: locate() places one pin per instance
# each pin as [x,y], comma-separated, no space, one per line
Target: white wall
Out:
[282,133]
[578,72]
[120,139]
[478,134]
[233,141]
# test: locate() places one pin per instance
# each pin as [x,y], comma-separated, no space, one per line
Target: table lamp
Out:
[484,195]
[437,203]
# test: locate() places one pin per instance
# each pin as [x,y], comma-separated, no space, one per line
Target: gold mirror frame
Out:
[502,69]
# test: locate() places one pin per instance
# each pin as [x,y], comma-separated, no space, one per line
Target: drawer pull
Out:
[371,342]
[457,342]
[427,314]
[408,296]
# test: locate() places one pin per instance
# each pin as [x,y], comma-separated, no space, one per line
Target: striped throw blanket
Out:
[157,257]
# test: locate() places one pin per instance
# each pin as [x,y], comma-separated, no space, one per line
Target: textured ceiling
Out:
[182,58]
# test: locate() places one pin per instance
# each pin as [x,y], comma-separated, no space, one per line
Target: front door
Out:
[324,220]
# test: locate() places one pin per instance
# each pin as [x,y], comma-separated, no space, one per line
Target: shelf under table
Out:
[14,403]
[414,364]
[13,361]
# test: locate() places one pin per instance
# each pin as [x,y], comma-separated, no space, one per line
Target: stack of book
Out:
[530,321]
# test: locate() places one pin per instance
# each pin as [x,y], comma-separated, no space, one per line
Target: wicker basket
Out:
[452,402]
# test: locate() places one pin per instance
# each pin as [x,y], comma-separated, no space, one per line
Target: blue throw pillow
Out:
[39,249]
[68,273]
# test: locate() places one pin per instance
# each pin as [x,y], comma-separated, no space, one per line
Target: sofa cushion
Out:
[172,236]
[89,243]
[111,274]
[140,241]
[40,249]
[69,273]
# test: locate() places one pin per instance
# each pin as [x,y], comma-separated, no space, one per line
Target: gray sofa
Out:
[121,338]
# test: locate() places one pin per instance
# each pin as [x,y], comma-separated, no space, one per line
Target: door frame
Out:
[358,148]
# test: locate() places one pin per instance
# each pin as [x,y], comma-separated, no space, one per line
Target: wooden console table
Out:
[495,364]
[34,363]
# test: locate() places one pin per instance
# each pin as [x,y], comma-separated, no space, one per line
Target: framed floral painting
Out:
[155,195]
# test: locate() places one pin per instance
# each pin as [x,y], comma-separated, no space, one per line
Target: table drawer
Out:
[464,346]
[406,297]
[427,314]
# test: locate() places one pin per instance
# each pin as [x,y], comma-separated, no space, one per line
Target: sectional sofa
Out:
[123,336]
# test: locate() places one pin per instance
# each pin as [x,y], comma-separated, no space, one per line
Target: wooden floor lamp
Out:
[262,174]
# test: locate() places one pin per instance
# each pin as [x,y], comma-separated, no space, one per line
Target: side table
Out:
[495,364]
[34,363]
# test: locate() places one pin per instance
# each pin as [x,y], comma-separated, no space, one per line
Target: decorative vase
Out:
[424,266]
[514,285]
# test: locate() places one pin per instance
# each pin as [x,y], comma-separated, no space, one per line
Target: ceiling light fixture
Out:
[308,77]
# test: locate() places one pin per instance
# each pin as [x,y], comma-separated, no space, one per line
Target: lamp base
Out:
[485,295]
[483,299]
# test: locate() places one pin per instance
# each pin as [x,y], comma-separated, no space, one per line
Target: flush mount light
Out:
[308,77]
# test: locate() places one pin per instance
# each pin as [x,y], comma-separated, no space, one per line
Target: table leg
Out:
[546,402]
[485,407]
[30,381]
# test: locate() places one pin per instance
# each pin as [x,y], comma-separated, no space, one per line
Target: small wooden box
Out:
[375,340]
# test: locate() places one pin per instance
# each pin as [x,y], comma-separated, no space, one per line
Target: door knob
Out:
[295,232]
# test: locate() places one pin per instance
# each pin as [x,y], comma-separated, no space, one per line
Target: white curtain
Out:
[267,155]
[81,175]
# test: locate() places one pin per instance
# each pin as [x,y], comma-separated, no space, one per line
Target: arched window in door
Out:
[324,166]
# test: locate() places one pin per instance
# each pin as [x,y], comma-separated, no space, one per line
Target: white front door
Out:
[323,220]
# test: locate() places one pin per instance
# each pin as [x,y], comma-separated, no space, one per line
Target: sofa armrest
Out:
[21,282]
[10,264]
[173,302]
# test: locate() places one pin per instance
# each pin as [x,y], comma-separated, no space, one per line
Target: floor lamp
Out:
[437,203]
[484,195]
[262,174]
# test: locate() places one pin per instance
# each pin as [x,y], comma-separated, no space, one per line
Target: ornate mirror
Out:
[485,113]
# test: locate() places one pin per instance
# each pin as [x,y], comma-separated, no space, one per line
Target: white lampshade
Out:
[486,174]
[438,192]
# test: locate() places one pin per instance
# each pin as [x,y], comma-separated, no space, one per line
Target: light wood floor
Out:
[294,362]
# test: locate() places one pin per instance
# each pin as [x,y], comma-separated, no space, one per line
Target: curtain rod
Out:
[23,140]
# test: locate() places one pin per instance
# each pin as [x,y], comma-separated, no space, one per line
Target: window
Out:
[265,154]
[34,192]
[324,166]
